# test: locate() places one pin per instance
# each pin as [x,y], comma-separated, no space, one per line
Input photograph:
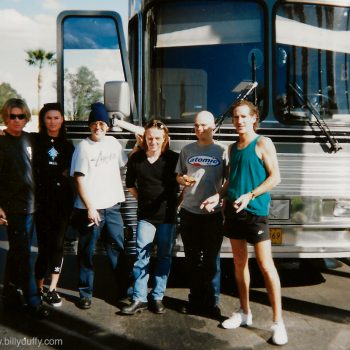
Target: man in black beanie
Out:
[96,167]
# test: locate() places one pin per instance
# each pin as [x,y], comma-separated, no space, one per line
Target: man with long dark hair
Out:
[54,197]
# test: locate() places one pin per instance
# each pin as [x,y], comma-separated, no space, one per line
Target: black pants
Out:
[19,266]
[50,227]
[202,238]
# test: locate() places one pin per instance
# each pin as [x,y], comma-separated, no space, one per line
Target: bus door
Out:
[93,66]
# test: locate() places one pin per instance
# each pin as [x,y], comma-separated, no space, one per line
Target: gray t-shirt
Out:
[207,164]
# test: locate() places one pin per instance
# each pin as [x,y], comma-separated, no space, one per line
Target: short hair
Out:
[157,124]
[253,110]
[14,103]
[207,115]
[55,106]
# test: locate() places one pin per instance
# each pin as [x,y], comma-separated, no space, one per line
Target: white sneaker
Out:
[279,333]
[238,319]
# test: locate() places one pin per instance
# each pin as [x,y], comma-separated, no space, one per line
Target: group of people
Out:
[223,193]
[34,189]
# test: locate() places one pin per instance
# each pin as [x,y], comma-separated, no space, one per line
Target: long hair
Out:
[51,107]
[13,103]
[253,110]
[157,124]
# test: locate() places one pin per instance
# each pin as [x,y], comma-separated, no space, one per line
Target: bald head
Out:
[205,117]
[204,125]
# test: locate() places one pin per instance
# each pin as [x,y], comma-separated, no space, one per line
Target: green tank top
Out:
[247,172]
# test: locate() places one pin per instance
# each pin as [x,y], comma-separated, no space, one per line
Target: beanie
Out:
[98,113]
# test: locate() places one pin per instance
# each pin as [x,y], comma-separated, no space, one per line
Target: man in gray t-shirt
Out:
[201,170]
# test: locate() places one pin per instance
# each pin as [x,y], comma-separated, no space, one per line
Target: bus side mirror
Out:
[117,101]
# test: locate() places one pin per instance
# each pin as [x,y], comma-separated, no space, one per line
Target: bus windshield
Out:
[312,57]
[200,55]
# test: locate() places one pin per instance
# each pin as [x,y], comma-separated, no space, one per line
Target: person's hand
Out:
[188,181]
[2,132]
[94,217]
[210,203]
[240,203]
[3,220]
[139,141]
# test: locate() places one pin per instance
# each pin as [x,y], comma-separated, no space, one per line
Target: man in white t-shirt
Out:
[96,167]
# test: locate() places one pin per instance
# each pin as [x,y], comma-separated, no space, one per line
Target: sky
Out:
[29,25]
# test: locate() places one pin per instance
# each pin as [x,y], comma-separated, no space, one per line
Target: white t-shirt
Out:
[100,162]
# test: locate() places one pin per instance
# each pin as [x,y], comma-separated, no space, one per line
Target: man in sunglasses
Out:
[17,207]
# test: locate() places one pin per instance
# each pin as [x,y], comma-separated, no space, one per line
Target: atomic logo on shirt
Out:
[204,161]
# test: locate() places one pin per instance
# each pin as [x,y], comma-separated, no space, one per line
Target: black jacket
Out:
[16,174]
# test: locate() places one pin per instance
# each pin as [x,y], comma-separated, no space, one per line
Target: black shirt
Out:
[16,174]
[156,186]
[52,158]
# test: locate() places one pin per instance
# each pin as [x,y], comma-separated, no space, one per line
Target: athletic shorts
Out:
[245,226]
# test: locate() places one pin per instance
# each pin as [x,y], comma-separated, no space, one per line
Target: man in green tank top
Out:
[253,172]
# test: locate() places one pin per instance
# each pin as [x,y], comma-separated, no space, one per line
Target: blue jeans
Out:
[202,238]
[112,222]
[19,272]
[163,236]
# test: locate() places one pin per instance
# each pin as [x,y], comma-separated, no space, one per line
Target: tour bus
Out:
[291,58]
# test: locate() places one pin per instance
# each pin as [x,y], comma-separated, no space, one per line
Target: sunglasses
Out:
[18,116]
[155,124]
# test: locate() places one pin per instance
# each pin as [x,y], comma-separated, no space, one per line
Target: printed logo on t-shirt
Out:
[104,158]
[52,154]
[204,161]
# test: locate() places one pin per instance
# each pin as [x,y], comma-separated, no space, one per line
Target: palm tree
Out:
[38,58]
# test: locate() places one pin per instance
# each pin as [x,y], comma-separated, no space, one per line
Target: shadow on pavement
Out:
[73,332]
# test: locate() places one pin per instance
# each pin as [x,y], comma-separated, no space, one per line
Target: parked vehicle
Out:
[186,56]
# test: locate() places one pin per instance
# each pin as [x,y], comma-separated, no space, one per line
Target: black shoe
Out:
[54,299]
[13,300]
[84,303]
[157,306]
[39,311]
[190,309]
[135,306]
[214,312]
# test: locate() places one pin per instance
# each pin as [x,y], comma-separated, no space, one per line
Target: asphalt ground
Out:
[316,304]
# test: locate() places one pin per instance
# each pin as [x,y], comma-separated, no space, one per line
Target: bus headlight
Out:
[279,209]
[342,208]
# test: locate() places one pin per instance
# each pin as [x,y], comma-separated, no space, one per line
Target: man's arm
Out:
[3,220]
[210,203]
[138,145]
[269,155]
[93,214]
[265,150]
[181,170]
[184,180]
[133,191]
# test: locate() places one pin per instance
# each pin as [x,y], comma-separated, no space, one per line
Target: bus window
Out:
[196,54]
[312,55]
[91,56]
